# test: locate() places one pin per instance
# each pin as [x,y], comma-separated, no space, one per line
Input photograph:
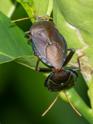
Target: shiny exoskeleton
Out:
[51,48]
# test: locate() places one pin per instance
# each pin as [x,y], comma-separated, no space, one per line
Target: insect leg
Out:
[45,70]
[78,61]
[50,106]
[69,56]
[37,68]
[22,19]
[77,112]
[37,65]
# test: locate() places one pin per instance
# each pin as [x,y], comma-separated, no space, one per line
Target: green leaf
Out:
[7,7]
[43,7]
[78,13]
[69,32]
[13,43]
[29,7]
[90,92]
[37,7]
[74,19]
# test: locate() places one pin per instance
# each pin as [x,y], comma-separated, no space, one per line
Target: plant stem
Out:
[50,7]
[79,104]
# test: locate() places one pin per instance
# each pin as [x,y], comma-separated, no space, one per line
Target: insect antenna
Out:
[37,18]
[50,106]
[73,107]
[22,19]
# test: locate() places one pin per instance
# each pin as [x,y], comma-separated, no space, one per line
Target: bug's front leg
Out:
[69,56]
[37,68]
[37,65]
[28,35]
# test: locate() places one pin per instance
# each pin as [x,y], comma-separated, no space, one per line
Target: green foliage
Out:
[13,43]
[7,7]
[74,19]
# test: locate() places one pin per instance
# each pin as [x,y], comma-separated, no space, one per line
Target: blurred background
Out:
[23,97]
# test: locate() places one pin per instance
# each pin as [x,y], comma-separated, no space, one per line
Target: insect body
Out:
[48,44]
[51,48]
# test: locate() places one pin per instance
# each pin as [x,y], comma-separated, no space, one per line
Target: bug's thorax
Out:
[54,70]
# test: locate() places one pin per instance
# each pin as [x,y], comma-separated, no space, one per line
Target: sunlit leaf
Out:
[13,43]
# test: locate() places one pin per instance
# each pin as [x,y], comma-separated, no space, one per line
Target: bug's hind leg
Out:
[69,56]
[78,61]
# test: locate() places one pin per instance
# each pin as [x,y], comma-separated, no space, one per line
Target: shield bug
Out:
[51,48]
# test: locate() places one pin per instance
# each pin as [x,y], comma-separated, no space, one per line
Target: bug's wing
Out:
[57,50]
[48,44]
[39,44]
